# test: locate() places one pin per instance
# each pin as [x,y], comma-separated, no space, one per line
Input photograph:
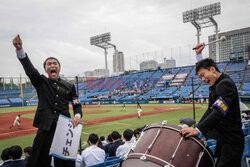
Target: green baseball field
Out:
[101,120]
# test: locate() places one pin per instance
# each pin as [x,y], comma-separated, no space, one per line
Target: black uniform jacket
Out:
[53,97]
[222,118]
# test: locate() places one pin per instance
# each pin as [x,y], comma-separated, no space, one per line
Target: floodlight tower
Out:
[203,17]
[101,41]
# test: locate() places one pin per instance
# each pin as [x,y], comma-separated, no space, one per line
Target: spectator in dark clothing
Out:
[5,156]
[110,142]
[221,121]
[138,104]
[15,153]
[122,150]
[27,151]
[100,145]
[116,137]
[54,95]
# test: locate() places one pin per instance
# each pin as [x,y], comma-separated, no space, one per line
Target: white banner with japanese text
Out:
[66,139]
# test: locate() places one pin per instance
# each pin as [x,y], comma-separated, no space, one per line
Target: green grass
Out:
[16,109]
[114,111]
[23,141]
[28,116]
[104,129]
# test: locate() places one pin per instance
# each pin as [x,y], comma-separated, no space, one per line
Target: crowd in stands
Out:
[131,88]
[12,156]
[99,150]
[144,85]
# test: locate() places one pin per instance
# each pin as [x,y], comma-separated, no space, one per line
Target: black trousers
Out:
[228,155]
[40,151]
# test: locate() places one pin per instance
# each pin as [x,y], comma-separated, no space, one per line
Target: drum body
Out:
[163,145]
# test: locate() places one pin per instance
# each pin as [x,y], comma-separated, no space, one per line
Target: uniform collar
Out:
[222,76]
[58,79]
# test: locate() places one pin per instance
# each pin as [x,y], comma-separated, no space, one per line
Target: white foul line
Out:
[16,131]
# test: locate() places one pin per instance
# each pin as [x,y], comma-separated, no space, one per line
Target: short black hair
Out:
[102,138]
[115,135]
[128,134]
[5,154]
[206,64]
[110,138]
[93,138]
[137,132]
[100,145]
[15,152]
[44,63]
[27,150]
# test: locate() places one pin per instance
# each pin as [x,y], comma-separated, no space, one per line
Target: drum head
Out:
[161,145]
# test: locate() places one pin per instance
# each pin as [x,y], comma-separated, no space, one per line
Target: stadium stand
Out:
[157,85]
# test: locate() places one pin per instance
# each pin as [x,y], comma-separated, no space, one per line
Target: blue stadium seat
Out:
[4,102]
[211,142]
[246,152]
[113,165]
[142,85]
[212,148]
[106,155]
[113,162]
[245,128]
[111,158]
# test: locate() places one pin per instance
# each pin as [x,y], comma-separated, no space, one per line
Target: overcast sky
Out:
[63,29]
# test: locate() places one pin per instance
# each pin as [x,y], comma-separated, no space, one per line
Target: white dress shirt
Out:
[199,57]
[78,160]
[133,139]
[104,143]
[122,150]
[92,155]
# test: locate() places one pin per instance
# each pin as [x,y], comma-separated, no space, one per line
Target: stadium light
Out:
[101,41]
[202,12]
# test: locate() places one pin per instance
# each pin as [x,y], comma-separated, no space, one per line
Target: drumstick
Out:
[222,38]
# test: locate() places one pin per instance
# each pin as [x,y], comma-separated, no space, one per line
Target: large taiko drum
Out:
[163,145]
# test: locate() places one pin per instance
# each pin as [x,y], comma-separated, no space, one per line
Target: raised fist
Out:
[199,47]
[17,42]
